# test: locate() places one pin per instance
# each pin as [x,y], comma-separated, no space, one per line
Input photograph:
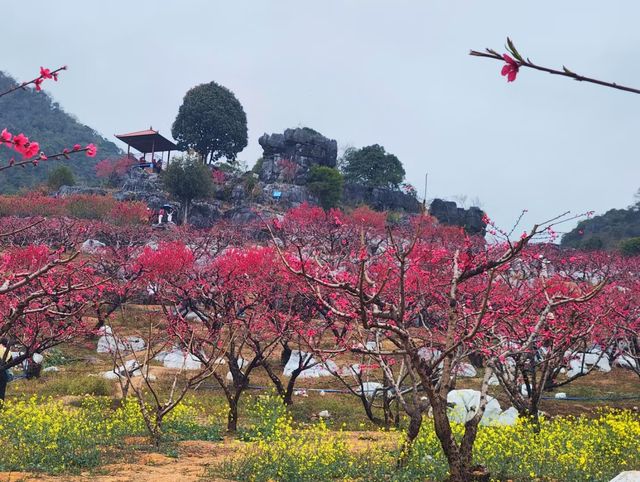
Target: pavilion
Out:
[148,141]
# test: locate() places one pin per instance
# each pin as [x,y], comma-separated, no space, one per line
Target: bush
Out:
[265,414]
[104,208]
[565,449]
[46,435]
[630,247]
[326,183]
[78,386]
[60,176]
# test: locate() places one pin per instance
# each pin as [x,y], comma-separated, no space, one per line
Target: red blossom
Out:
[45,73]
[91,150]
[5,136]
[510,69]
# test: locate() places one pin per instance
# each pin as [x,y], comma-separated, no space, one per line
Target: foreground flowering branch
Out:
[30,150]
[37,82]
[515,61]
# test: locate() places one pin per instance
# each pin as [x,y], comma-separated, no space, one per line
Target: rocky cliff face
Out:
[380,199]
[141,186]
[288,157]
[447,212]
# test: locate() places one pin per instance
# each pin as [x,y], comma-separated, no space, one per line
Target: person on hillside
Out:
[5,355]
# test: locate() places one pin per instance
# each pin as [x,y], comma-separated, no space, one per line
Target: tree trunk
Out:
[186,211]
[4,376]
[232,418]
[415,422]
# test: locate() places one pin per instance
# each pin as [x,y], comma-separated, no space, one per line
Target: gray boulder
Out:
[448,212]
[303,147]
[65,191]
[204,215]
[380,199]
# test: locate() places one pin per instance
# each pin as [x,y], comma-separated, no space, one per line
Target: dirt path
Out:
[191,466]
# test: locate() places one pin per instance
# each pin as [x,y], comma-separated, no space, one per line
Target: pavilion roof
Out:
[147,141]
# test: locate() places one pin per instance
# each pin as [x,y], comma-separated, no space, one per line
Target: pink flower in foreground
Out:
[77,147]
[20,141]
[32,150]
[5,135]
[37,83]
[510,69]
[91,150]
[45,73]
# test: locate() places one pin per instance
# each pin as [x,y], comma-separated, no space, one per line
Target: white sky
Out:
[364,72]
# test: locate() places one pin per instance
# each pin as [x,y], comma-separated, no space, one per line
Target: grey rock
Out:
[241,215]
[380,199]
[78,190]
[292,195]
[302,146]
[448,212]
[204,215]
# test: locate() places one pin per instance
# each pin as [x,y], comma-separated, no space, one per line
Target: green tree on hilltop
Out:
[212,122]
[326,183]
[372,166]
[187,179]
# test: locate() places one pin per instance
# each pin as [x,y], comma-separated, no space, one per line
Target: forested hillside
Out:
[605,231]
[42,119]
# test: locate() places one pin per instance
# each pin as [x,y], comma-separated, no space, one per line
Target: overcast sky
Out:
[396,73]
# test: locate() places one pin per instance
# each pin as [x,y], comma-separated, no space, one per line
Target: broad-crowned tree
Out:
[372,166]
[212,122]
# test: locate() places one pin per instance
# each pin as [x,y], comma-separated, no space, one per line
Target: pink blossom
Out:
[45,73]
[510,69]
[5,135]
[91,150]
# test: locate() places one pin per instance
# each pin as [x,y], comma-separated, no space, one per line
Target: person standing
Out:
[5,355]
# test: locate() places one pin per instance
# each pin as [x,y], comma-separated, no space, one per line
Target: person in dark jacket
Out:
[5,356]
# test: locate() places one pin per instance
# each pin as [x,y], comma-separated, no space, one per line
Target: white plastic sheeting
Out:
[91,246]
[370,389]
[582,362]
[316,369]
[180,359]
[466,404]
[109,343]
[628,476]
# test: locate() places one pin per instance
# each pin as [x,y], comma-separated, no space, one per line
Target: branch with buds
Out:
[515,61]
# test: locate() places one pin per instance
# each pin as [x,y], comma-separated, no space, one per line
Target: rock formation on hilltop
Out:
[288,157]
[448,212]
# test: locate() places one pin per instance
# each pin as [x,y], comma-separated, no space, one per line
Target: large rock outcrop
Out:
[448,212]
[380,199]
[139,185]
[288,157]
[65,191]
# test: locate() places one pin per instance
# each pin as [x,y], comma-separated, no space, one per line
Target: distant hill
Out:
[605,231]
[43,120]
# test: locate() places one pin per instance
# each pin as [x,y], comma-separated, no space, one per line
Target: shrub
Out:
[326,183]
[104,208]
[79,386]
[565,449]
[60,176]
[630,247]
[45,435]
[265,414]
